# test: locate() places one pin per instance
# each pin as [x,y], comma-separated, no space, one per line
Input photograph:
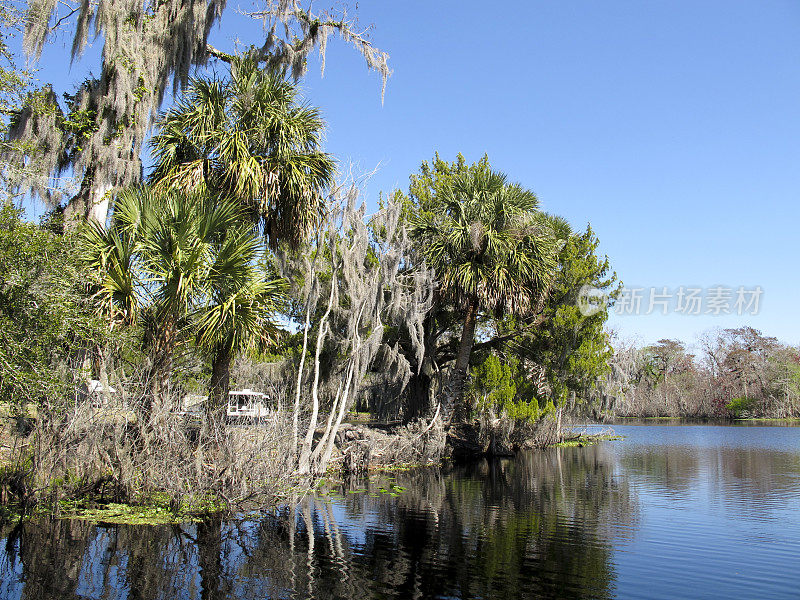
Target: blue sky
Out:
[672,126]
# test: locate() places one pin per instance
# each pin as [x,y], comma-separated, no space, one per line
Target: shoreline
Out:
[714,420]
[157,512]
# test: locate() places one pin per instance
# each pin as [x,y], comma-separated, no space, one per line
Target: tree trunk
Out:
[305,455]
[160,369]
[419,401]
[219,386]
[418,396]
[330,433]
[322,443]
[100,371]
[91,202]
[455,387]
[300,369]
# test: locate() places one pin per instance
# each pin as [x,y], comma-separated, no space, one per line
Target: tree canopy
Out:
[247,138]
[148,50]
[490,246]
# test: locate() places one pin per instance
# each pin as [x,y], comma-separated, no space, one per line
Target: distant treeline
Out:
[736,373]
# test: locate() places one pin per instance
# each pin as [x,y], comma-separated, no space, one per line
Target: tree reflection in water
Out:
[747,483]
[541,525]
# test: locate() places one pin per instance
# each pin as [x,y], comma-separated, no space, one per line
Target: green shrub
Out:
[502,386]
[742,407]
[522,410]
[493,382]
[46,319]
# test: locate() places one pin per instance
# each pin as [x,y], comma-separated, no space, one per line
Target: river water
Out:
[689,511]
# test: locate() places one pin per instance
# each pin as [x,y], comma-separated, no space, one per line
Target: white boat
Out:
[247,403]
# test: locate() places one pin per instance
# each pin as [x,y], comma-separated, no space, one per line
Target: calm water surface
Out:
[669,512]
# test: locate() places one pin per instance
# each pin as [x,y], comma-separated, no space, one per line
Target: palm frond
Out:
[247,138]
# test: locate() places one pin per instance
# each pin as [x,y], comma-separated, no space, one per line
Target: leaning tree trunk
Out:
[308,440]
[219,386]
[300,370]
[455,386]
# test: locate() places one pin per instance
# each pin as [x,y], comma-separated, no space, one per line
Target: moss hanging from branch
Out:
[149,48]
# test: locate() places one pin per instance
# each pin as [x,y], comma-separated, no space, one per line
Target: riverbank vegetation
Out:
[738,373]
[255,267]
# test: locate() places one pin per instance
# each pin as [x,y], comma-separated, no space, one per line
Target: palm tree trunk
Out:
[160,370]
[467,337]
[219,386]
[455,387]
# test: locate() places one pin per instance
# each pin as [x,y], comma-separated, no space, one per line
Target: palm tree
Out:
[491,248]
[238,314]
[170,261]
[248,139]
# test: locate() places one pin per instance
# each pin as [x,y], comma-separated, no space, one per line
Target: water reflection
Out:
[599,522]
[753,475]
[530,527]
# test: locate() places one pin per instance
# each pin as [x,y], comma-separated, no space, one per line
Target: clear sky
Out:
[672,126]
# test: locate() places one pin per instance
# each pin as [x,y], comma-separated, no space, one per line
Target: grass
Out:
[359,417]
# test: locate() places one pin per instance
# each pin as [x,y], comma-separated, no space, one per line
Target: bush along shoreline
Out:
[109,465]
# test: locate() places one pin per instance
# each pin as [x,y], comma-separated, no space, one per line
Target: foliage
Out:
[572,347]
[14,84]
[484,237]
[46,321]
[241,297]
[493,251]
[493,382]
[13,80]
[500,385]
[248,139]
[354,281]
[181,265]
[737,371]
[124,514]
[148,48]
[741,407]
[560,353]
